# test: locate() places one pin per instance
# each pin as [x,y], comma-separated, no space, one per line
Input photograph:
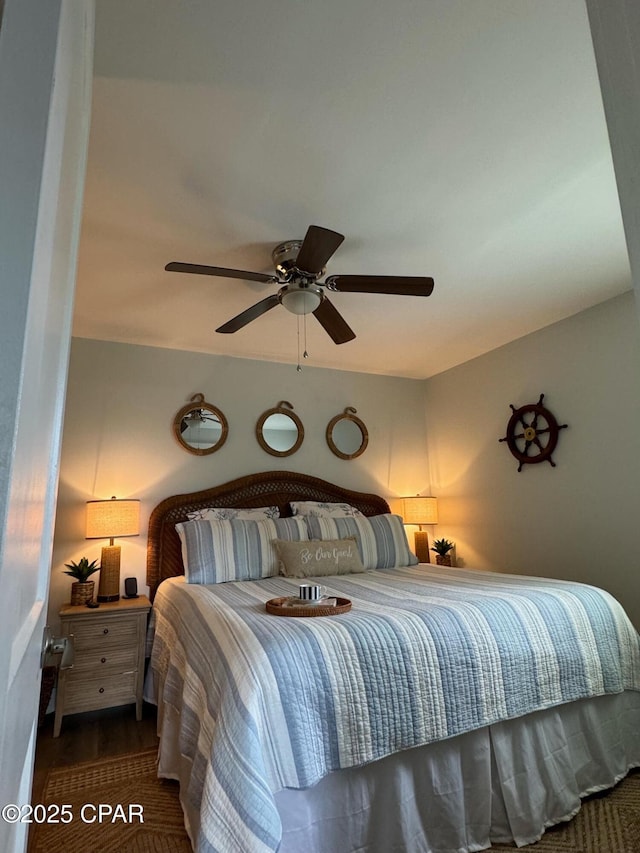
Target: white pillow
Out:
[218,551]
[226,513]
[324,509]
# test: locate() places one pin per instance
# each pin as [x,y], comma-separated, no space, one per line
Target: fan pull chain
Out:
[305,354]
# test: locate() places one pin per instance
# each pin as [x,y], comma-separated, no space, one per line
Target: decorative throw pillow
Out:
[319,557]
[324,509]
[381,539]
[236,550]
[227,513]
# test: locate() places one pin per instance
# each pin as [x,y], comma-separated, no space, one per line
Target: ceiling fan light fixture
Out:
[299,264]
[303,300]
[195,416]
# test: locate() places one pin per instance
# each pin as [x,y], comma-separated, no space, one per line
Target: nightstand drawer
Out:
[98,634]
[99,660]
[89,694]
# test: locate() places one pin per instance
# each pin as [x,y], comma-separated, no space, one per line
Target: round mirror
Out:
[279,430]
[200,427]
[347,435]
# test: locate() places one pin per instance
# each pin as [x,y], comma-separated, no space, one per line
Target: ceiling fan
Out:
[299,264]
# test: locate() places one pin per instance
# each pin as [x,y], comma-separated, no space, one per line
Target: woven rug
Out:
[607,823]
[124,780]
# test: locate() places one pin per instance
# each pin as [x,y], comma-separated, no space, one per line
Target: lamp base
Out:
[422,546]
[109,586]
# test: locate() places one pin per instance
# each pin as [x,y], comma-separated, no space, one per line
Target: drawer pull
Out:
[103,660]
[106,631]
[101,690]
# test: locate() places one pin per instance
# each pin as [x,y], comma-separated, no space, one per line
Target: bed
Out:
[448,709]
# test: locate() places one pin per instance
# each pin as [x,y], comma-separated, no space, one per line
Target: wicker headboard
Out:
[271,488]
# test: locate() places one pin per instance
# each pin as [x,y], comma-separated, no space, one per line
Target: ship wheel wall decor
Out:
[532,434]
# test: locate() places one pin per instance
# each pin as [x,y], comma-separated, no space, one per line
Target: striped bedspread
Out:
[267,702]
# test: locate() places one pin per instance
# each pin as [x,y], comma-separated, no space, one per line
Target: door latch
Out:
[57,645]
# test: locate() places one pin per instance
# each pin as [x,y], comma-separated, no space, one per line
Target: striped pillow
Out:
[218,551]
[381,539]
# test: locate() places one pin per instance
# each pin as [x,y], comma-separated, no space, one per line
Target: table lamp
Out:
[420,510]
[111,520]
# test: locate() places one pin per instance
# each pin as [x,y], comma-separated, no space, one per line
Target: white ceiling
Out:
[462,139]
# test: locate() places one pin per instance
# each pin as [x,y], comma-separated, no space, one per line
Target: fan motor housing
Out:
[284,258]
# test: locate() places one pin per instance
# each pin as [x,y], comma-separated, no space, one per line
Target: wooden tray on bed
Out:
[276,606]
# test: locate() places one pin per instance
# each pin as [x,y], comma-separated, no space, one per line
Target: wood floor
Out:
[90,736]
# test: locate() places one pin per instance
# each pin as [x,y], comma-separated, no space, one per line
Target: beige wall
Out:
[580,519]
[118,436]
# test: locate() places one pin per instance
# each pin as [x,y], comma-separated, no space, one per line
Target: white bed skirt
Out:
[503,783]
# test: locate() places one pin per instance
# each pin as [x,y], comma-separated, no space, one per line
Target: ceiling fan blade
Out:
[202,269]
[317,247]
[392,284]
[333,322]
[249,314]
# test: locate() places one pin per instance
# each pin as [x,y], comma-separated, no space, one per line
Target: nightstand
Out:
[108,669]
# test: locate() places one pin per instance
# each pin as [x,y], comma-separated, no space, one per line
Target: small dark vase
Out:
[443,559]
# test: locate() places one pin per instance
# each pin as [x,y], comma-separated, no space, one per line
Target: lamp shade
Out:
[112,519]
[419,510]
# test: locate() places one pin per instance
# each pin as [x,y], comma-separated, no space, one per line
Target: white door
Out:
[46,58]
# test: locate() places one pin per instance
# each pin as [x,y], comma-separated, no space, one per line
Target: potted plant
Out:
[442,547]
[82,589]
